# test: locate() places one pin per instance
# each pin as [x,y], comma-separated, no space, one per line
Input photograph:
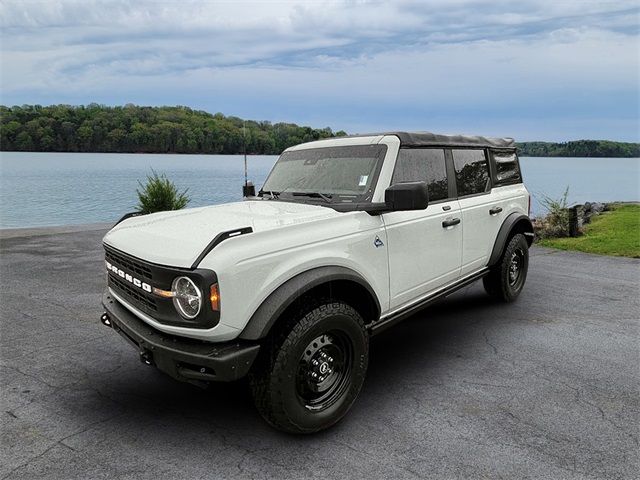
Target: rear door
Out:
[423,246]
[482,215]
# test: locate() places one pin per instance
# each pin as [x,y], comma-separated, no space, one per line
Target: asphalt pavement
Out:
[546,387]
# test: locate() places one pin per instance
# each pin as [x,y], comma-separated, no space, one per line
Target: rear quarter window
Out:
[507,168]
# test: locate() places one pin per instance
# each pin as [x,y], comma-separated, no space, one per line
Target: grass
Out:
[616,232]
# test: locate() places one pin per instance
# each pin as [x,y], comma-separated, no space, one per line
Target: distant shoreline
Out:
[275,154]
[181,130]
[580,148]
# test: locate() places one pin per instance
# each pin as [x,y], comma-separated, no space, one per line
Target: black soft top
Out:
[428,139]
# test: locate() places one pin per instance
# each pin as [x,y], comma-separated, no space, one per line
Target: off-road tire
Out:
[500,282]
[276,381]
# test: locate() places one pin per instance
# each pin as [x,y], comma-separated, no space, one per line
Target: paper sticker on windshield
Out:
[363,180]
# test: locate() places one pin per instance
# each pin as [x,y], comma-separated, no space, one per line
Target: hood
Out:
[177,238]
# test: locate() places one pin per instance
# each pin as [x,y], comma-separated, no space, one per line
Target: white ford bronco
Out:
[346,237]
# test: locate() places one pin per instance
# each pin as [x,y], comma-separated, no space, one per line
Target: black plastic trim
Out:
[277,302]
[505,232]
[451,174]
[395,318]
[128,215]
[221,237]
[182,358]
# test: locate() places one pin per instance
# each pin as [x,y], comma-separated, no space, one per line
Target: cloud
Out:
[350,64]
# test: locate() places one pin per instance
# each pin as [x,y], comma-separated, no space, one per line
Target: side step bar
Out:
[395,317]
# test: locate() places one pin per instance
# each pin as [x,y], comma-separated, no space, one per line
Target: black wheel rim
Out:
[516,267]
[324,370]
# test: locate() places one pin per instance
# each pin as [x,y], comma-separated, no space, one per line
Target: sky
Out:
[529,69]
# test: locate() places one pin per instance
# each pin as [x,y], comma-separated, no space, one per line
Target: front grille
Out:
[162,310]
[138,299]
[128,263]
[133,295]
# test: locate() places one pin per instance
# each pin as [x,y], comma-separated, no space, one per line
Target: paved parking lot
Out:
[548,387]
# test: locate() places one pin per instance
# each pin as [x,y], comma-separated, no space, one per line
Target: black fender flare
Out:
[280,299]
[128,215]
[515,222]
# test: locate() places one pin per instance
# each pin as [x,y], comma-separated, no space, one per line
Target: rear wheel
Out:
[310,374]
[506,279]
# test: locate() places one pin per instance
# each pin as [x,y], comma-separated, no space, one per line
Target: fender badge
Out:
[378,243]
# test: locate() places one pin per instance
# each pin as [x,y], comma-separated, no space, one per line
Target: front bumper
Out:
[184,359]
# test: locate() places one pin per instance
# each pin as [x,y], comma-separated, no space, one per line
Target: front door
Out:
[423,246]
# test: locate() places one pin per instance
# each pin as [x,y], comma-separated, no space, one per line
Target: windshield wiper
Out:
[324,196]
[272,195]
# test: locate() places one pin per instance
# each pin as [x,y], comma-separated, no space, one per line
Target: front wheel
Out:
[311,373]
[506,279]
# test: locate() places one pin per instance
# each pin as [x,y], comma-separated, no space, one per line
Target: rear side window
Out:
[423,165]
[472,171]
[507,168]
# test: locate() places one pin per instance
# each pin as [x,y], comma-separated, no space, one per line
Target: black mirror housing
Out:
[407,196]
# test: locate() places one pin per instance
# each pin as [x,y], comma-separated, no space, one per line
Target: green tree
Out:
[131,128]
[24,142]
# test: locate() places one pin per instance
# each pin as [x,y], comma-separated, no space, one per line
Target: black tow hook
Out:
[146,357]
[106,321]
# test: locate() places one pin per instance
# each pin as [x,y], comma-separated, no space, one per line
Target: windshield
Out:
[345,174]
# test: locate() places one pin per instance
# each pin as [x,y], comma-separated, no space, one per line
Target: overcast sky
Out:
[531,69]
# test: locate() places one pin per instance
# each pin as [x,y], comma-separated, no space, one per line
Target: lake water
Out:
[41,189]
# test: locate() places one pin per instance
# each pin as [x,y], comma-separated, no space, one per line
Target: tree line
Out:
[137,129]
[579,148]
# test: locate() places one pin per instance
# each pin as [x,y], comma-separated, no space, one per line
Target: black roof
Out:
[424,139]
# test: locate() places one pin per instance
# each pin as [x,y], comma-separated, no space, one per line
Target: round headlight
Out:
[187,297]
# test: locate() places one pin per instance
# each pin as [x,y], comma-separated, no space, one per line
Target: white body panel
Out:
[251,267]
[417,255]
[422,254]
[176,238]
[480,228]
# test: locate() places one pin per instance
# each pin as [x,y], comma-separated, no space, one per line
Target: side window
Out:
[507,168]
[472,171]
[423,165]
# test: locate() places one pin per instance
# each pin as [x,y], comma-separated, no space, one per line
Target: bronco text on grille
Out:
[132,288]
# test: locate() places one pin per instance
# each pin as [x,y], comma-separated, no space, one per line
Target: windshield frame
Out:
[335,198]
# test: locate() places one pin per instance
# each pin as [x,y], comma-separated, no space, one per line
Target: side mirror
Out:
[406,196]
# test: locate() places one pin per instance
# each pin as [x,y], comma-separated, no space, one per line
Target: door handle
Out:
[495,210]
[450,223]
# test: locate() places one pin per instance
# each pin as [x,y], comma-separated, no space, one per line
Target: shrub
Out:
[556,222]
[159,194]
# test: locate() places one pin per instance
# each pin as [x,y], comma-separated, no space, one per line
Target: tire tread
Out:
[495,283]
[268,374]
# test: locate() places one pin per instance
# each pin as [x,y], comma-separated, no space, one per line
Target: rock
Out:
[597,207]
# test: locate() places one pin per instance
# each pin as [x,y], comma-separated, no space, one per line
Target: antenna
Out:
[244,148]
[248,189]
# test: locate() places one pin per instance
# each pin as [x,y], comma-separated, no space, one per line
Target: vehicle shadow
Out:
[419,336]
[147,396]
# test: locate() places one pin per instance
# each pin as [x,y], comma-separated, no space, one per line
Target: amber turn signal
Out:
[164,293]
[215,298]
